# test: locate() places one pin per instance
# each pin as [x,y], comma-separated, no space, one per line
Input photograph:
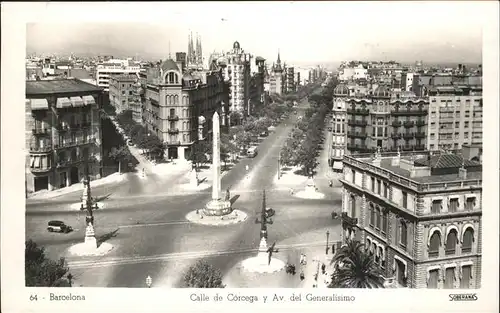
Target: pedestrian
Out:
[305,260]
[301,260]
[330,183]
[291,191]
[246,167]
[323,268]
[302,277]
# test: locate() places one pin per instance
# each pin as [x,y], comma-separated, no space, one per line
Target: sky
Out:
[303,32]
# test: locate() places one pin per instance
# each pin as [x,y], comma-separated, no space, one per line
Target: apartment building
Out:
[377,121]
[179,105]
[290,79]
[63,129]
[114,67]
[123,94]
[339,126]
[237,71]
[419,216]
[456,117]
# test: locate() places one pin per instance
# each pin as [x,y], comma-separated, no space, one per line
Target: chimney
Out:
[396,159]
[377,157]
[462,171]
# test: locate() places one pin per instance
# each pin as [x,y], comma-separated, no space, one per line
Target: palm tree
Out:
[354,268]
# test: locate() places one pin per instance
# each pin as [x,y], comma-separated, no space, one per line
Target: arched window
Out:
[372,215]
[176,78]
[184,124]
[381,256]
[176,101]
[434,244]
[373,250]
[353,206]
[171,78]
[377,216]
[451,242]
[368,245]
[403,233]
[467,240]
[184,137]
[188,125]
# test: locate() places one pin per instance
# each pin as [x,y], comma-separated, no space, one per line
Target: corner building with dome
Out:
[180,102]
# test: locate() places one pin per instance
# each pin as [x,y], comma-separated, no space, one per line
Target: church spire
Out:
[279,59]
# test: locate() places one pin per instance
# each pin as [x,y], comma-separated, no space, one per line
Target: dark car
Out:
[59,227]
[264,133]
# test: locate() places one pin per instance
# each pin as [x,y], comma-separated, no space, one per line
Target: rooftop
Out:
[59,86]
[443,167]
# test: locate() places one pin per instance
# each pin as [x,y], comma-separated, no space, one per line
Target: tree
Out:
[354,268]
[243,139]
[120,155]
[42,272]
[227,147]
[235,117]
[203,275]
[199,152]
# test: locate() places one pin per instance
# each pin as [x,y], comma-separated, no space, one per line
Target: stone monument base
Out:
[261,264]
[217,207]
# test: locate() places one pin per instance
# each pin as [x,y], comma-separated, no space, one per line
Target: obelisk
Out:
[216,185]
[217,206]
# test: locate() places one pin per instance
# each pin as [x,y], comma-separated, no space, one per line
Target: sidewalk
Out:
[45,194]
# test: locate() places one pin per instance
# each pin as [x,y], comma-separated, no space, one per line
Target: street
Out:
[145,222]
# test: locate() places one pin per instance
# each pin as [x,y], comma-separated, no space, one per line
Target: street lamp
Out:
[149,281]
[327,237]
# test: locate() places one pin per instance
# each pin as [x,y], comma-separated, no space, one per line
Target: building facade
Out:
[419,216]
[114,67]
[179,105]
[339,126]
[276,78]
[376,121]
[456,117]
[237,71]
[123,93]
[63,129]
[290,80]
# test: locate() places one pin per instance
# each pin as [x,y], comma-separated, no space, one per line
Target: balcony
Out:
[358,111]
[357,122]
[40,150]
[41,169]
[419,135]
[356,134]
[433,254]
[62,128]
[173,118]
[173,143]
[449,252]
[85,125]
[408,124]
[69,162]
[408,148]
[396,136]
[396,123]
[420,123]
[173,130]
[74,143]
[408,135]
[409,112]
[419,147]
[349,220]
[40,131]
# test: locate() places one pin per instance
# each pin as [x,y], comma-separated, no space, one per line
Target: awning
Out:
[337,165]
[77,102]
[39,104]
[88,100]
[63,103]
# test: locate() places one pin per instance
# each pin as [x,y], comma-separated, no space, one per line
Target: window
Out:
[381,256]
[453,205]
[432,146]
[466,135]
[434,244]
[353,206]
[353,176]
[467,240]
[373,184]
[377,225]
[403,236]
[436,206]
[466,124]
[384,222]
[469,204]
[457,124]
[386,190]
[172,112]
[466,276]
[123,92]
[379,187]
[372,215]
[405,200]
[449,278]
[433,136]
[451,242]
[433,125]
[432,283]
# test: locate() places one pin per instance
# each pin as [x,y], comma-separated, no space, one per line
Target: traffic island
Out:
[198,217]
[85,249]
[310,192]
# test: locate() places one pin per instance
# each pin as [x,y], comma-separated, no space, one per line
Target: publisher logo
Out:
[463,297]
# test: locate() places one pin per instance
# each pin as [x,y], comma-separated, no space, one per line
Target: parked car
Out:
[59,227]
[252,152]
[264,133]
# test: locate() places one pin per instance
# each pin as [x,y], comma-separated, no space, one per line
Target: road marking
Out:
[177,256]
[154,224]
